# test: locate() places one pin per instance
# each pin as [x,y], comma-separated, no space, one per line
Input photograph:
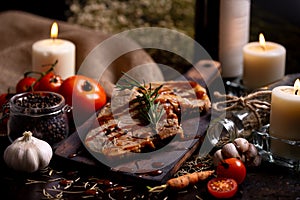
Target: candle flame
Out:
[297,87]
[262,41]
[54,30]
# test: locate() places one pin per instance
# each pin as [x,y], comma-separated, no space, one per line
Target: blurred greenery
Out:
[114,16]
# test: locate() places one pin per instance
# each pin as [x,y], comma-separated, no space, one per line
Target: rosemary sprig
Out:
[150,111]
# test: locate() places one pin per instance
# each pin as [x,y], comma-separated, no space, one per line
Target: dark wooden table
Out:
[265,182]
[268,181]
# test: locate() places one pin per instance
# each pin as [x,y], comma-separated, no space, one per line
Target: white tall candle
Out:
[263,64]
[284,121]
[233,35]
[47,51]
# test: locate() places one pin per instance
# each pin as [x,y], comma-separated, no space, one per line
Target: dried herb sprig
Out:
[150,111]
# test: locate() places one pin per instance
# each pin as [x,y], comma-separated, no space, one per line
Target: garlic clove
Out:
[256,161]
[241,144]
[230,151]
[217,158]
[251,152]
[243,158]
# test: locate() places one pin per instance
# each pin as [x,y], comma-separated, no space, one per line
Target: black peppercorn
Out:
[42,113]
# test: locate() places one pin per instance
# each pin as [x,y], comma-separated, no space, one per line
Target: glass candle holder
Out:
[233,124]
[264,142]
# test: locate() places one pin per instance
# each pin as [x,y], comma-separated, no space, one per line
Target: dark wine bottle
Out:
[207,26]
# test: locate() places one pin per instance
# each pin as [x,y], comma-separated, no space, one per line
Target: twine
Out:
[253,102]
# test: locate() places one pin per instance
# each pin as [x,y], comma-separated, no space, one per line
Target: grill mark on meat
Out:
[121,132]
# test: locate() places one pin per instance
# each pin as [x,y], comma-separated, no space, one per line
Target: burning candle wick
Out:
[54,31]
[296,92]
[262,41]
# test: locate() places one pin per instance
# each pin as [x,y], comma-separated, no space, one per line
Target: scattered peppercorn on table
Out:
[77,181]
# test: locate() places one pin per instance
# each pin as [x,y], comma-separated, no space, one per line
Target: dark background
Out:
[279,21]
[55,9]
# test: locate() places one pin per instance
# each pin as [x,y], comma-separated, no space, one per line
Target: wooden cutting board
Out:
[158,167]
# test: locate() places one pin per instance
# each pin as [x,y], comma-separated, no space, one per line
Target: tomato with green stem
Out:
[49,82]
[232,168]
[27,83]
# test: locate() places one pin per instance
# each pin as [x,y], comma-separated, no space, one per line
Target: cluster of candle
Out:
[46,52]
[263,64]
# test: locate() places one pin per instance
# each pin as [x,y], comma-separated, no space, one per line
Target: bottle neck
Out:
[207,25]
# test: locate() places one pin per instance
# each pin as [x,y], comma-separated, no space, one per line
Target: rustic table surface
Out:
[268,181]
[265,182]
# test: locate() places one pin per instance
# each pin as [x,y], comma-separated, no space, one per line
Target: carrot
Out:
[183,181]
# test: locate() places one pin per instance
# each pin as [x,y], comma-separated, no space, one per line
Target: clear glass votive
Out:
[276,150]
[239,123]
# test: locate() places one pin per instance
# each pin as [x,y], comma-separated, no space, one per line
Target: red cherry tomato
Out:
[24,84]
[50,82]
[4,99]
[85,94]
[222,187]
[232,168]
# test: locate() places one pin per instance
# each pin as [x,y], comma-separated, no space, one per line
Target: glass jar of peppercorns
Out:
[43,113]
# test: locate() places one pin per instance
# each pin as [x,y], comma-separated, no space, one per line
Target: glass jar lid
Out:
[37,103]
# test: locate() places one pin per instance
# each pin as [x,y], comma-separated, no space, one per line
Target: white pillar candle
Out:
[264,63]
[47,51]
[284,121]
[233,35]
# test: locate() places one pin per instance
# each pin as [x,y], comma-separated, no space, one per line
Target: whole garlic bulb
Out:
[240,148]
[28,153]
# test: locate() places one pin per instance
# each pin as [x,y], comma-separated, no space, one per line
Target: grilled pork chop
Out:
[122,130]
